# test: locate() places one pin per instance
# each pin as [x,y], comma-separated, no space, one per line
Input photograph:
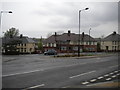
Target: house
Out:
[20,44]
[68,42]
[111,42]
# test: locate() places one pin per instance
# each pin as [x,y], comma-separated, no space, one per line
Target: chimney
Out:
[69,32]
[114,32]
[21,35]
[55,33]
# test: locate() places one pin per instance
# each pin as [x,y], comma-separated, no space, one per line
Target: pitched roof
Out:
[23,40]
[64,37]
[112,37]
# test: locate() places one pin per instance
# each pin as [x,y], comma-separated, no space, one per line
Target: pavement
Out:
[110,84]
[37,71]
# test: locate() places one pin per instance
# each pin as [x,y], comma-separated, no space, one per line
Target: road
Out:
[38,71]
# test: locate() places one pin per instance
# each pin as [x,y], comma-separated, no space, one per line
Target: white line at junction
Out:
[85,82]
[82,74]
[99,83]
[100,77]
[93,80]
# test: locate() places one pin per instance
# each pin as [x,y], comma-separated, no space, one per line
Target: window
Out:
[63,48]
[24,49]
[49,44]
[86,43]
[115,48]
[75,48]
[21,44]
[21,49]
[112,47]
[91,43]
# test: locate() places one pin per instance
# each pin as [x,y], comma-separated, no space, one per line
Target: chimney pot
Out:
[69,32]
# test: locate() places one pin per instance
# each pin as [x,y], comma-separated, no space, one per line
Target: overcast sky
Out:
[36,19]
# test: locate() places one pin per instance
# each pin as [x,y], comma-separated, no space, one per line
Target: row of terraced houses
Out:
[66,43]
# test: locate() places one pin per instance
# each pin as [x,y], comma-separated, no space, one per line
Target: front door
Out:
[107,48]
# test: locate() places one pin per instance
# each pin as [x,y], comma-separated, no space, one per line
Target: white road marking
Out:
[66,87]
[35,86]
[113,76]
[22,73]
[99,77]
[108,78]
[111,73]
[85,82]
[82,74]
[99,83]
[113,66]
[118,74]
[115,71]
[106,75]
[93,80]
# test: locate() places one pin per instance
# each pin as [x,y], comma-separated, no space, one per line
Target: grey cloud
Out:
[99,13]
[52,16]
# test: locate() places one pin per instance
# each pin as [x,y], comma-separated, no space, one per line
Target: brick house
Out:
[68,42]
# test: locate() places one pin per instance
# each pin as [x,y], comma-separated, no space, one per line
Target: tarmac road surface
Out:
[37,71]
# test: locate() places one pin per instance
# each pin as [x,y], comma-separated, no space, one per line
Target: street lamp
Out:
[55,39]
[1,12]
[79,31]
[89,39]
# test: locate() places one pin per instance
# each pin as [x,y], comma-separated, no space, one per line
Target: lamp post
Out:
[79,31]
[56,39]
[89,39]
[1,12]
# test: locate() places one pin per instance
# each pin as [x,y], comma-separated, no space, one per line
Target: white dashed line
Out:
[113,76]
[113,66]
[35,86]
[115,71]
[22,73]
[99,77]
[108,78]
[92,80]
[82,74]
[118,74]
[106,75]
[85,83]
[111,73]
